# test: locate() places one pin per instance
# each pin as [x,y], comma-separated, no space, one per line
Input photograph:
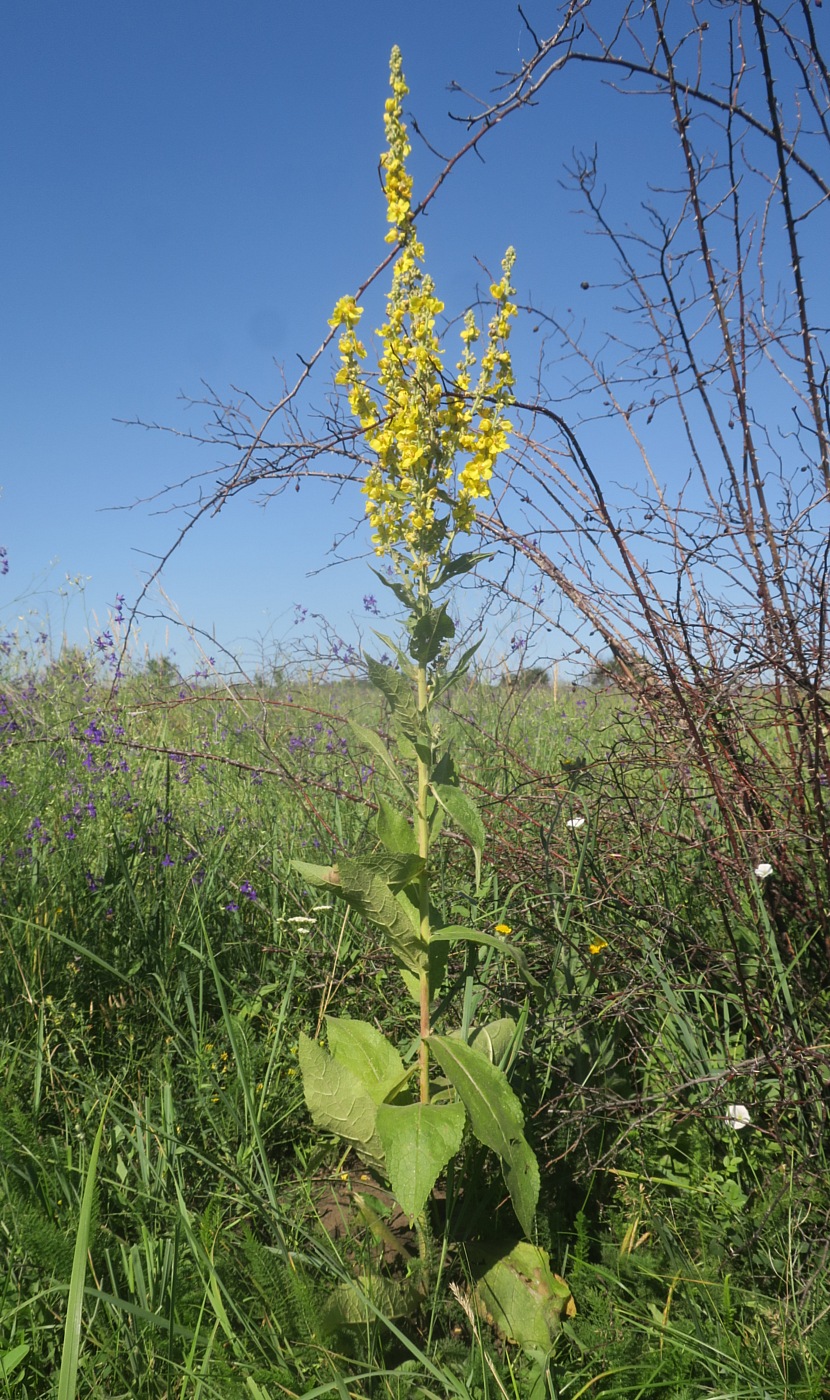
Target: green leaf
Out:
[463,812]
[373,741]
[70,1355]
[394,829]
[372,898]
[493,1040]
[449,678]
[428,634]
[496,1118]
[404,592]
[367,1054]
[461,564]
[358,883]
[399,692]
[459,933]
[397,870]
[361,1302]
[403,660]
[445,771]
[518,1293]
[9,1360]
[316,874]
[437,972]
[419,1140]
[338,1101]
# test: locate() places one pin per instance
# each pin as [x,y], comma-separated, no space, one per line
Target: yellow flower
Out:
[346,313]
[416,420]
[503,929]
[597,946]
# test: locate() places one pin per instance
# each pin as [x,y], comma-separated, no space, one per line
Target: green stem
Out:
[422,823]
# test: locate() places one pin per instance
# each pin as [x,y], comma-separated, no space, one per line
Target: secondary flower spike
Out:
[434,437]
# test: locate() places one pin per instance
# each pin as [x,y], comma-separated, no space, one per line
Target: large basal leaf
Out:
[517,1293]
[418,1140]
[496,1118]
[320,875]
[338,1102]
[356,1304]
[454,933]
[398,870]
[362,1049]
[372,897]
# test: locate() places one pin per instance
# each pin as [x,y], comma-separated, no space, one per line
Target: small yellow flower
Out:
[597,946]
[503,929]
[346,313]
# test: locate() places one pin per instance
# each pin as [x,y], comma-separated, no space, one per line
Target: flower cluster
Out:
[420,421]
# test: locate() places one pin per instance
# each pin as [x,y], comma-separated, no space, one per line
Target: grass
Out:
[158,954]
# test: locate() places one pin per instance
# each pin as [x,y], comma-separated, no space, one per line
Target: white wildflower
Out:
[737,1116]
[575,823]
[764,870]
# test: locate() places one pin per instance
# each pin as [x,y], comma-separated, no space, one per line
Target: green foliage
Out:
[496,1118]
[419,1140]
[516,1292]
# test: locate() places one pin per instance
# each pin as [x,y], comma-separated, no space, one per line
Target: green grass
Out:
[159,954]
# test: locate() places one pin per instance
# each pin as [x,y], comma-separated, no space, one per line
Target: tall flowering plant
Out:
[433,439]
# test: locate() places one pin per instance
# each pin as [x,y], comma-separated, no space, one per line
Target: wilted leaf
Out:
[517,1293]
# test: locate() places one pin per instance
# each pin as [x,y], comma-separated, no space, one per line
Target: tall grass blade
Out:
[70,1355]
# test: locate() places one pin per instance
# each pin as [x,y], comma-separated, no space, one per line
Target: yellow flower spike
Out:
[414,423]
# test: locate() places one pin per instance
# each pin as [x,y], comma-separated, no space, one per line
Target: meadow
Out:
[175,1225]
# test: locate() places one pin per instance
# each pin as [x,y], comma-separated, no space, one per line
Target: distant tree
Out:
[526,679]
[162,672]
[618,670]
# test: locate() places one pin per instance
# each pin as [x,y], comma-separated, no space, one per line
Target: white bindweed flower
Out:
[737,1116]
[764,870]
[575,823]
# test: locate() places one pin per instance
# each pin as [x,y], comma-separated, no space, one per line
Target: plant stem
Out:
[422,821]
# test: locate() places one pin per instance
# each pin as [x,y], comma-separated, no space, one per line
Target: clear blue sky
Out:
[188,187]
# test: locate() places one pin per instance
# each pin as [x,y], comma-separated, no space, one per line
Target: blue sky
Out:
[188,188]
